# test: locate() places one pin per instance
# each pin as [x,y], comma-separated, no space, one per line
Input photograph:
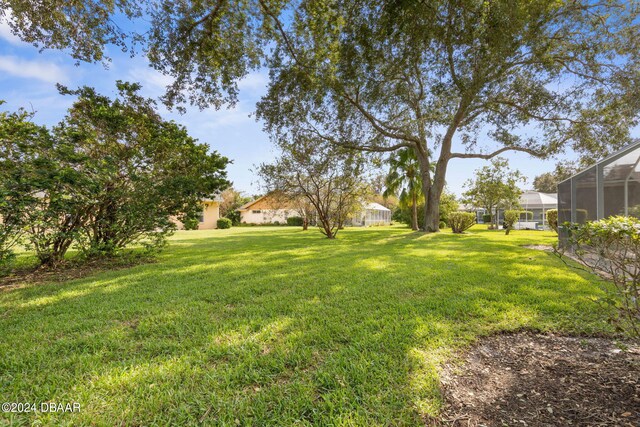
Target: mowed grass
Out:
[276,326]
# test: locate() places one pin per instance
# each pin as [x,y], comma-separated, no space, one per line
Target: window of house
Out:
[258,211]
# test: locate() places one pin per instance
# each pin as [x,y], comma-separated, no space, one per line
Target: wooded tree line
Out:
[444,79]
[111,174]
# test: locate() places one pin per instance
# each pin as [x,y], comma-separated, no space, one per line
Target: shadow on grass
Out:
[280,326]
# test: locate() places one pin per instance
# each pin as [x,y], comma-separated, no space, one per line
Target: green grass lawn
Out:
[276,326]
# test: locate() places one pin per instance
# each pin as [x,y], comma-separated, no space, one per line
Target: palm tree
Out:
[404,178]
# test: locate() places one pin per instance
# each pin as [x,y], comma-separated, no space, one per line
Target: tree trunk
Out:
[432,206]
[423,159]
[414,213]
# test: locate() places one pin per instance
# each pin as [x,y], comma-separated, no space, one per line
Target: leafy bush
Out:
[295,221]
[461,221]
[486,218]
[234,216]
[611,249]
[191,223]
[442,225]
[552,219]
[224,223]
[510,219]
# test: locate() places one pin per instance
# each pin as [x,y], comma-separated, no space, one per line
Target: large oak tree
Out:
[445,78]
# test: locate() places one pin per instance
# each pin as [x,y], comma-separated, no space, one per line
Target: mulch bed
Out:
[526,379]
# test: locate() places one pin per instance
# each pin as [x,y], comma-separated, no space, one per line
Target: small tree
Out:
[44,188]
[510,219]
[305,209]
[18,137]
[329,178]
[494,187]
[461,221]
[448,205]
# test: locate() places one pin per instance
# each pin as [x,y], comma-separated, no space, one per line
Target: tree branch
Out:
[531,151]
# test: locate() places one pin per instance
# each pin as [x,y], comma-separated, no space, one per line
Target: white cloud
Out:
[149,78]
[255,81]
[39,70]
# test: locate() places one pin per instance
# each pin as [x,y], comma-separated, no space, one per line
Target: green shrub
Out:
[611,248]
[295,221]
[461,221]
[510,219]
[191,223]
[224,223]
[486,218]
[442,225]
[552,219]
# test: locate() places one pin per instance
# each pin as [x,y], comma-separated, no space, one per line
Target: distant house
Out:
[267,209]
[210,214]
[538,204]
[271,209]
[535,202]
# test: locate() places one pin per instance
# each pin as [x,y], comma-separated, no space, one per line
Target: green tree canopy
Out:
[548,181]
[446,78]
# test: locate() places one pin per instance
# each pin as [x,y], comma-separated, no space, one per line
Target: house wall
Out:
[256,215]
[210,216]
[209,219]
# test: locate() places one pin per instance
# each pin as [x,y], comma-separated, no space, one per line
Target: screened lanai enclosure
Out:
[610,187]
[372,214]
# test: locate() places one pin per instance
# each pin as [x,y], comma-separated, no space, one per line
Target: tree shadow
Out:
[279,327]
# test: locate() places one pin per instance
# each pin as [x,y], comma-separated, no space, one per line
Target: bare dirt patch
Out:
[68,271]
[527,379]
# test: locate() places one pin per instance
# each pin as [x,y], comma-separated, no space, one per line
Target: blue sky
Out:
[28,78]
